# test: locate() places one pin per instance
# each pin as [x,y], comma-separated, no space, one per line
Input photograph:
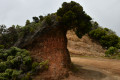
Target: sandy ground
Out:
[95,69]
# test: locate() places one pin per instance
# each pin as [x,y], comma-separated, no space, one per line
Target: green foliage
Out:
[97,33]
[48,20]
[34,66]
[9,71]
[72,16]
[109,40]
[8,36]
[27,77]
[27,22]
[3,66]
[111,51]
[118,45]
[40,66]
[44,64]
[1,46]
[16,62]
[27,60]
[4,76]
[41,18]
[10,58]
[105,36]
[15,74]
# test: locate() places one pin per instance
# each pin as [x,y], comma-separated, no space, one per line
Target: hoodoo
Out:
[49,41]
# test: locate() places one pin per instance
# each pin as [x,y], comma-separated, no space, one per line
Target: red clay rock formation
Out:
[49,43]
[52,46]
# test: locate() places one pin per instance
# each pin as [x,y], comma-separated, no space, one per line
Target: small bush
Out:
[4,76]
[118,45]
[3,66]
[48,20]
[34,65]
[1,46]
[27,77]
[111,51]
[10,58]
[15,74]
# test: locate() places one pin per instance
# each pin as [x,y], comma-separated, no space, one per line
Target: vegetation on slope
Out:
[107,38]
[16,64]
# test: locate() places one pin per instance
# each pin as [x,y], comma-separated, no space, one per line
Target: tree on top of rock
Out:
[72,16]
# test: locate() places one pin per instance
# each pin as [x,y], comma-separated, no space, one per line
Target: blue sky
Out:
[105,12]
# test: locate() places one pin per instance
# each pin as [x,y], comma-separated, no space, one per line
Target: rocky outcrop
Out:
[49,43]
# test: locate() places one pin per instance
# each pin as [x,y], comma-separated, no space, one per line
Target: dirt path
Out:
[95,69]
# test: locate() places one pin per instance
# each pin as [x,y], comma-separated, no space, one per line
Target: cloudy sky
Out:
[105,12]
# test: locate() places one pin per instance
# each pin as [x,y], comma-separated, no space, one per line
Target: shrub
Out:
[27,60]
[15,74]
[41,18]
[34,65]
[97,33]
[109,40]
[3,66]
[9,71]
[27,22]
[1,46]
[10,58]
[48,20]
[111,51]
[105,36]
[1,55]
[118,45]
[16,62]
[44,65]
[4,76]
[27,77]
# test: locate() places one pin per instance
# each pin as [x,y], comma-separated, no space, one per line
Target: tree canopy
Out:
[72,16]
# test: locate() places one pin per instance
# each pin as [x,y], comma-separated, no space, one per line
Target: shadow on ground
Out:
[88,74]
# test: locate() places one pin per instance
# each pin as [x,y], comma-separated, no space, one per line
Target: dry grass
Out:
[84,46]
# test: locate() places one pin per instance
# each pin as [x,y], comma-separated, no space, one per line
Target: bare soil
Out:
[95,69]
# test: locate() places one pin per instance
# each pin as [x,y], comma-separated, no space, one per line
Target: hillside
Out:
[90,68]
[84,46]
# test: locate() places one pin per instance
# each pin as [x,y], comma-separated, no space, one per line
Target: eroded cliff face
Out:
[49,43]
[51,46]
